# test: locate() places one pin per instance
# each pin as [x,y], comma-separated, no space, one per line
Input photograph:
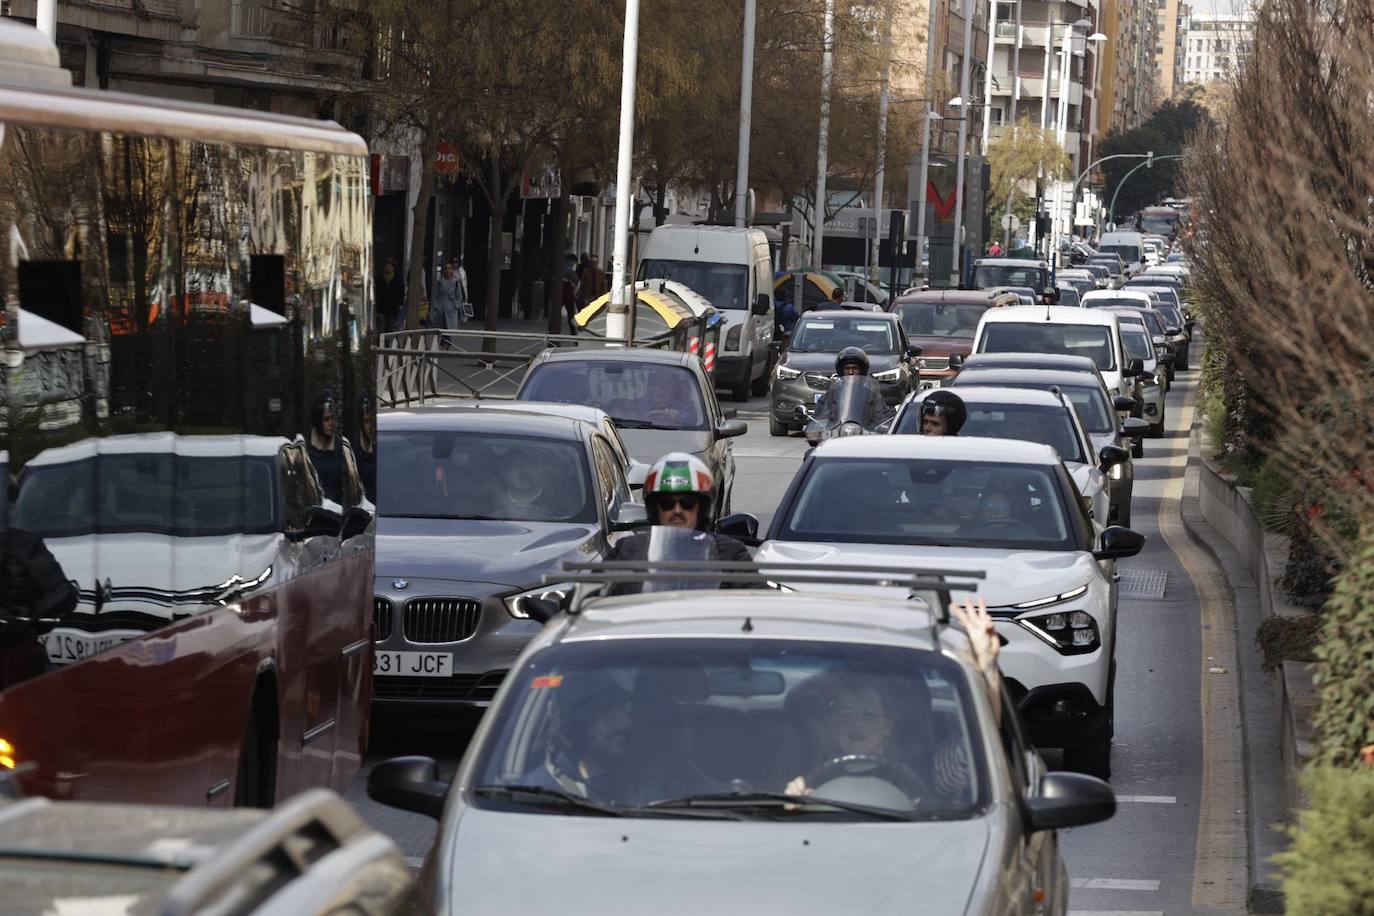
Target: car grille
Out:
[935,363]
[818,380]
[471,688]
[429,620]
[381,618]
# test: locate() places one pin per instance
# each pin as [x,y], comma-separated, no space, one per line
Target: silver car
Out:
[474,507]
[747,752]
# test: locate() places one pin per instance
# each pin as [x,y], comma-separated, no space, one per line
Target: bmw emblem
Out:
[400,585]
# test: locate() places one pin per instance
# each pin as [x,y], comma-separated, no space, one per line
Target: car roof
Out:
[994,394]
[988,376]
[584,412]
[1047,314]
[809,614]
[953,448]
[461,417]
[953,296]
[848,313]
[1100,294]
[616,355]
[1009,360]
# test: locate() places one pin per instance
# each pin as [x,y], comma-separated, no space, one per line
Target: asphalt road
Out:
[1177,842]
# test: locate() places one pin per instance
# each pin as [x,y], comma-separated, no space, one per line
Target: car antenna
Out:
[696,243]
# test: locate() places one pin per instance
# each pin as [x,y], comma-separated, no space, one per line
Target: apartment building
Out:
[1169,54]
[1214,46]
[1132,28]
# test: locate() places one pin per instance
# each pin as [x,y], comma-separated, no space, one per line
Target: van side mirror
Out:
[762,305]
[731,428]
[913,351]
[320,521]
[355,522]
[408,783]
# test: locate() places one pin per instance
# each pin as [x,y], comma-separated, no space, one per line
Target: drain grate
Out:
[1143,583]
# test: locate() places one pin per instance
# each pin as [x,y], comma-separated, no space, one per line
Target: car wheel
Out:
[740,390]
[1094,755]
[776,427]
[1137,448]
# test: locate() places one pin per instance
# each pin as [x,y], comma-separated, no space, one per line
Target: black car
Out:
[807,366]
[661,401]
[474,508]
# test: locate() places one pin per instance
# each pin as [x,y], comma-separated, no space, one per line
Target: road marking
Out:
[1148,799]
[1219,864]
[1115,884]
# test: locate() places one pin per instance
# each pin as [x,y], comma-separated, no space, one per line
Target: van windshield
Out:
[726,286]
[1130,254]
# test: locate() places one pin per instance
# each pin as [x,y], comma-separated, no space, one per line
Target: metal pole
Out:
[987,71]
[46,18]
[1061,136]
[746,103]
[822,154]
[617,316]
[926,118]
[882,142]
[1111,211]
[1015,111]
[956,269]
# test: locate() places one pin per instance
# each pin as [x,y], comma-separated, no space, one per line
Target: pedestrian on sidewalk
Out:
[391,297]
[443,314]
[995,249]
[569,293]
[593,283]
[464,299]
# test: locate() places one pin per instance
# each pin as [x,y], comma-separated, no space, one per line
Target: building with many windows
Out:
[1214,46]
[1173,17]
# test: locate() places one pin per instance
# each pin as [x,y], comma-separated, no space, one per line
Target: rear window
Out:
[1052,426]
[1090,340]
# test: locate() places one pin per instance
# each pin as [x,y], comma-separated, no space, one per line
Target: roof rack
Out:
[774,574]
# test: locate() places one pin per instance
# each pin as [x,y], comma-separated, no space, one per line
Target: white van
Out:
[732,268]
[1129,245]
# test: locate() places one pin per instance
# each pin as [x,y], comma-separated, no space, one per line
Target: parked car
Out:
[807,367]
[475,507]
[942,323]
[962,503]
[1049,418]
[1085,389]
[661,401]
[714,706]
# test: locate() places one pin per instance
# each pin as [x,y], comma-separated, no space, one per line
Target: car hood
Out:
[461,550]
[604,865]
[943,346]
[1014,576]
[825,362]
[649,445]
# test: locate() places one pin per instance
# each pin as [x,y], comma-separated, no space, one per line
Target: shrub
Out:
[1326,870]
[1345,676]
[1292,639]
[1276,502]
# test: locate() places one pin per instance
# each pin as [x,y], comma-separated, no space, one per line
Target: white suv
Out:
[967,503]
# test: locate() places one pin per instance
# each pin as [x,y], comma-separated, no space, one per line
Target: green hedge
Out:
[1345,674]
[1327,870]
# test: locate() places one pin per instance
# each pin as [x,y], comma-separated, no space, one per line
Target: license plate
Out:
[65,646]
[413,664]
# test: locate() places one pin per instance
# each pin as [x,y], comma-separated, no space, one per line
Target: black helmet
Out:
[851,355]
[947,404]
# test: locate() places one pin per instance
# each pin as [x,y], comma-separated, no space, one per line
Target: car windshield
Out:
[965,503]
[157,493]
[875,336]
[987,276]
[1129,254]
[1068,295]
[1151,320]
[940,319]
[1097,270]
[1090,340]
[636,395]
[726,286]
[1111,264]
[1171,314]
[457,474]
[1158,224]
[1137,342]
[1052,426]
[721,728]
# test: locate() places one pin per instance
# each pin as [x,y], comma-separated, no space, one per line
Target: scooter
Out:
[852,414]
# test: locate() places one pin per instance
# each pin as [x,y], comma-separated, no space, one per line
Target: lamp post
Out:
[921,246]
[1150,160]
[956,268]
[822,153]
[746,103]
[618,314]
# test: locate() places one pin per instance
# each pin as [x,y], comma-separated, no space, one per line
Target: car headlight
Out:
[889,375]
[515,604]
[1069,632]
[1051,599]
[732,338]
[850,428]
[782,372]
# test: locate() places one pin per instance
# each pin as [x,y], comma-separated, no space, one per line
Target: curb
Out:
[1267,786]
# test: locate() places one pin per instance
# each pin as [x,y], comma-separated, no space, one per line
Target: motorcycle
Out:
[853,411]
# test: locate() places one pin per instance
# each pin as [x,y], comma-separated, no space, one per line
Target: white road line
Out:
[1115,884]
[1148,799]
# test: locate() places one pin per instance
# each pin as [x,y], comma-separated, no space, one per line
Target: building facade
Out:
[1132,28]
[1169,54]
[1215,46]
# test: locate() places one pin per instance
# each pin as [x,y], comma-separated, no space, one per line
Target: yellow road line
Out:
[1219,867]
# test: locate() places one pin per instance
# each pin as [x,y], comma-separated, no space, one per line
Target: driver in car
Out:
[663,404]
[853,361]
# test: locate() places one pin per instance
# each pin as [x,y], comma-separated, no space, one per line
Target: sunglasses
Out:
[682,502]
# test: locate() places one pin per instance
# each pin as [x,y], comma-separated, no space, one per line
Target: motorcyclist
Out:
[678,493]
[942,413]
[853,361]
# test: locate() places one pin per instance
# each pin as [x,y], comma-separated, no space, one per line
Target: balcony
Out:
[282,21]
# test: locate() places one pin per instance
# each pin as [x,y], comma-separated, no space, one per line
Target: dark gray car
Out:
[661,401]
[1088,394]
[806,367]
[474,508]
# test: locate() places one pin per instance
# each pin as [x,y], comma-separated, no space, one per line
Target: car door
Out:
[613,490]
[721,454]
[1036,867]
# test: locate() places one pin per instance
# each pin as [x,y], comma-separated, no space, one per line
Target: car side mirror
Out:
[408,783]
[629,516]
[1172,331]
[1118,543]
[355,522]
[1122,402]
[913,351]
[762,304]
[731,428]
[1135,368]
[639,472]
[320,521]
[1070,800]
[1135,427]
[741,526]
[956,361]
[1111,456]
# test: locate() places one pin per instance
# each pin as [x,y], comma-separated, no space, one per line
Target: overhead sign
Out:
[446,158]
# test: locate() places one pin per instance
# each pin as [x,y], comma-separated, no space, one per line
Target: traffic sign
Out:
[446,158]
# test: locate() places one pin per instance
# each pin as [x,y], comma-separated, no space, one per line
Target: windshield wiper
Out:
[641,424]
[552,797]
[779,801]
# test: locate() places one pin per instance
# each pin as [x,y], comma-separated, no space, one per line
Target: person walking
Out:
[570,290]
[391,297]
[444,312]
[593,283]
[464,299]
[995,249]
